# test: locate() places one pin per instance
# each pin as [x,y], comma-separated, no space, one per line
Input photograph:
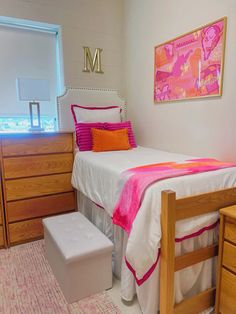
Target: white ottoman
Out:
[79,254]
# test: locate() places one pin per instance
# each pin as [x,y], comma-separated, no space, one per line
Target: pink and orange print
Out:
[191,65]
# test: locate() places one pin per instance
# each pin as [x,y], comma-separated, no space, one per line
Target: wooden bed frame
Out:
[177,209]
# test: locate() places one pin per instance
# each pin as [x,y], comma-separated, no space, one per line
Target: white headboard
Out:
[85,97]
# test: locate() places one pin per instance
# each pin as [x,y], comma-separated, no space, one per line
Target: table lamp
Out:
[33,90]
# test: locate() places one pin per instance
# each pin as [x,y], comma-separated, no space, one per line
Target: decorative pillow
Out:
[104,140]
[96,114]
[122,125]
[84,136]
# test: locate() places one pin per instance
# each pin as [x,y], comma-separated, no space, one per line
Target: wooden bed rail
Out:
[173,210]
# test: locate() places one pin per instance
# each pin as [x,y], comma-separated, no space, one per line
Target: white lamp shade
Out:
[33,89]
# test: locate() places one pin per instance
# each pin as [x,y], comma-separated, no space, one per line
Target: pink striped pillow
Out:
[84,136]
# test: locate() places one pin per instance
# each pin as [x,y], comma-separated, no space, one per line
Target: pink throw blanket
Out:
[138,179]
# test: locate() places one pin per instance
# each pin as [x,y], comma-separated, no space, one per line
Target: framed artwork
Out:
[191,66]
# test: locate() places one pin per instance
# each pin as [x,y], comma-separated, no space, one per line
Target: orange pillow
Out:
[104,140]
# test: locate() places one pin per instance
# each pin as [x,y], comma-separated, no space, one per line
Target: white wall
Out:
[29,54]
[93,23]
[197,127]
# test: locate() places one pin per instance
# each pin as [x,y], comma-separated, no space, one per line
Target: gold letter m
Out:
[92,62]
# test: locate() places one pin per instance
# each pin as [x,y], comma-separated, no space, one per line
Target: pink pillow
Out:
[96,114]
[84,136]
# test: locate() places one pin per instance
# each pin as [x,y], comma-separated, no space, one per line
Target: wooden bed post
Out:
[167,266]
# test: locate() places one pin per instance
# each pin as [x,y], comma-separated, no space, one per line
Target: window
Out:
[28,53]
[21,123]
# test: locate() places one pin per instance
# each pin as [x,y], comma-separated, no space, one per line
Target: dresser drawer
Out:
[19,167]
[40,206]
[229,256]
[1,236]
[37,144]
[228,293]
[25,230]
[230,230]
[38,186]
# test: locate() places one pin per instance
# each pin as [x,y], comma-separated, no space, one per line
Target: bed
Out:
[181,203]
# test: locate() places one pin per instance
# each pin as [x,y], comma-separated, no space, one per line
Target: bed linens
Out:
[97,175]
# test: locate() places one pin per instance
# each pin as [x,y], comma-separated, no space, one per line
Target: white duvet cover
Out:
[97,175]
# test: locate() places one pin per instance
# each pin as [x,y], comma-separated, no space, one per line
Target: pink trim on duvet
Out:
[100,206]
[197,233]
[151,270]
[148,274]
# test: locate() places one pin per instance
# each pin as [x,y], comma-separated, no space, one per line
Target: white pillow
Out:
[96,114]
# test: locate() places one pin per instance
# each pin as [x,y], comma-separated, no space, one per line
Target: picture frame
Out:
[191,66]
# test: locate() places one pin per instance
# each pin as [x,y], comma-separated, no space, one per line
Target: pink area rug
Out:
[27,286]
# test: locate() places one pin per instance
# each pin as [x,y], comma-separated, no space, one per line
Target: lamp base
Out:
[35,117]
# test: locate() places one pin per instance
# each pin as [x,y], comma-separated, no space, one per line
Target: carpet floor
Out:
[27,286]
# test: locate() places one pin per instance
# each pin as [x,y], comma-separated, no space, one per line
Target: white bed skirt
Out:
[188,281]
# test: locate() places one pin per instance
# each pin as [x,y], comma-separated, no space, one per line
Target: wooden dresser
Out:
[36,178]
[226,281]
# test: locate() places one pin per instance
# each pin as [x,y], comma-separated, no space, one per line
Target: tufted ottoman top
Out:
[76,237]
